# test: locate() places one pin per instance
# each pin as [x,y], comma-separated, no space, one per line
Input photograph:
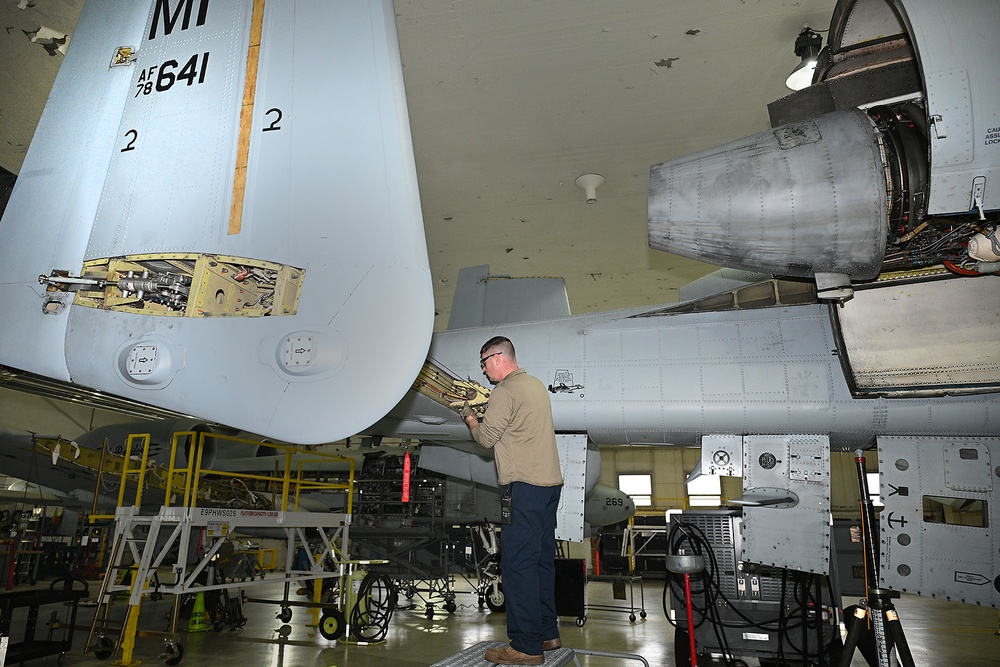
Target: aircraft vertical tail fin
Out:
[225,223]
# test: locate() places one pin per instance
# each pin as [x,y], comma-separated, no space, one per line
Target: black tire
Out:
[495,599]
[173,654]
[332,624]
[104,647]
[580,621]
[285,614]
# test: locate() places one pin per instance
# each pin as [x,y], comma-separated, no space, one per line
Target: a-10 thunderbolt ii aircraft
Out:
[872,201]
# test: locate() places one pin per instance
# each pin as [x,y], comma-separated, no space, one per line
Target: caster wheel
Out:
[104,647]
[450,606]
[495,599]
[172,654]
[429,613]
[631,618]
[482,601]
[285,615]
[642,614]
[580,621]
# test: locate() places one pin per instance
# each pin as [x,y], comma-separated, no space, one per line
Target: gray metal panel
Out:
[777,201]
[460,464]
[177,142]
[964,137]
[894,346]
[484,300]
[722,455]
[573,461]
[773,535]
[957,562]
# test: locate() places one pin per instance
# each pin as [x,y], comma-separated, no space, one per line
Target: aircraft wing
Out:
[219,215]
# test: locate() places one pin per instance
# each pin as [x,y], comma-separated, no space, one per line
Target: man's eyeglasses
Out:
[482,362]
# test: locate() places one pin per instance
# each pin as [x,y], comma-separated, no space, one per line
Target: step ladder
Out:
[27,551]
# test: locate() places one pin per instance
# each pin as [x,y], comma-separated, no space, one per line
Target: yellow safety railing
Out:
[192,484]
[293,478]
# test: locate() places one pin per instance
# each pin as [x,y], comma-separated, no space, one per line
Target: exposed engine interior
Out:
[881,166]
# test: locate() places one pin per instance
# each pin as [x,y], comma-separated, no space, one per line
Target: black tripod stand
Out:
[877,607]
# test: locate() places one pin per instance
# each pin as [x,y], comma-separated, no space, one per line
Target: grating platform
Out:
[473,657]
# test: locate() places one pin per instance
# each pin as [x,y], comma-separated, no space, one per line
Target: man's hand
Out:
[467,411]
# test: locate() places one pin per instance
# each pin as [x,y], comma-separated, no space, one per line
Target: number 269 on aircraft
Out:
[162,77]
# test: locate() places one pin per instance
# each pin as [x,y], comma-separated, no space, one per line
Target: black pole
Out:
[851,643]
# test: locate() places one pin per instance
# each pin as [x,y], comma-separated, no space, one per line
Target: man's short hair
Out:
[498,344]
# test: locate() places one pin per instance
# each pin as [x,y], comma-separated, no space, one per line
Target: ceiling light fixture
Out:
[807,46]
[590,183]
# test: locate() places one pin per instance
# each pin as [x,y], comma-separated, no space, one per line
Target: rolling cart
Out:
[31,648]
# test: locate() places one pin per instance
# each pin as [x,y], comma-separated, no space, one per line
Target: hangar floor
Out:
[940,633]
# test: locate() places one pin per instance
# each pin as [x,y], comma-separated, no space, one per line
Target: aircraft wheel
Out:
[332,624]
[495,599]
[104,647]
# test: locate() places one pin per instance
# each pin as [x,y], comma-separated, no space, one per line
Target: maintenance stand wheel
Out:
[104,647]
[580,621]
[172,654]
[332,624]
[285,614]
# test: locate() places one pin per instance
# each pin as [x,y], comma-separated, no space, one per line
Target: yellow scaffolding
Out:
[197,498]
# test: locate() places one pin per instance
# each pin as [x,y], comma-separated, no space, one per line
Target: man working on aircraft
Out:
[518,426]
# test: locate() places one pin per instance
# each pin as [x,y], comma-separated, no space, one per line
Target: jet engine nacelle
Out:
[887,162]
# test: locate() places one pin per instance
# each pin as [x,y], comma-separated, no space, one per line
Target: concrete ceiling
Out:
[510,101]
